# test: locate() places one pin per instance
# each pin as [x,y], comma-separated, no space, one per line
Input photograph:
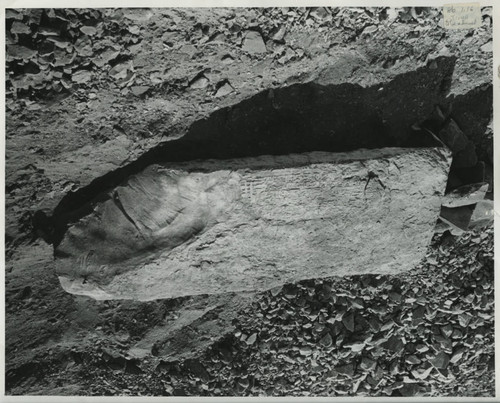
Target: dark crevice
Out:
[295,119]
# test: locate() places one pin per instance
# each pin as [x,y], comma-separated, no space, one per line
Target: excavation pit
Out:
[309,180]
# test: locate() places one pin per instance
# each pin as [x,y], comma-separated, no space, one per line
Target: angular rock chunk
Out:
[215,226]
[453,137]
[465,195]
[253,43]
[483,214]
[465,208]
[467,157]
[457,217]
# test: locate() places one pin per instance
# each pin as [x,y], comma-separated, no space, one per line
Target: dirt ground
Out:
[89,91]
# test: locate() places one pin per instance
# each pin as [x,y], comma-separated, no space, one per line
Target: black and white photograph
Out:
[261,202]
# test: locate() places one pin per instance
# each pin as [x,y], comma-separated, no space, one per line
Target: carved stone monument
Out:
[215,226]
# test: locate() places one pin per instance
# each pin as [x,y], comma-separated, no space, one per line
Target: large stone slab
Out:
[214,226]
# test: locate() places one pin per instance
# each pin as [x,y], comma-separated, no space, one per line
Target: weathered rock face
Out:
[332,109]
[214,226]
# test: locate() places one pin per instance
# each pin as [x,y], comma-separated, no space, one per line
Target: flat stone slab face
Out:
[215,226]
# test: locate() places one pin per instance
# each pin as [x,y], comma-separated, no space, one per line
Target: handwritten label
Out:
[461,16]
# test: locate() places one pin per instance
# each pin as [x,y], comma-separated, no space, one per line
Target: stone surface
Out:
[468,175]
[444,225]
[467,157]
[453,137]
[465,195]
[253,43]
[458,216]
[483,214]
[216,226]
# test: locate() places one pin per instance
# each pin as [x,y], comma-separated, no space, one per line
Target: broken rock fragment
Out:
[483,214]
[453,137]
[466,195]
[253,43]
[216,226]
